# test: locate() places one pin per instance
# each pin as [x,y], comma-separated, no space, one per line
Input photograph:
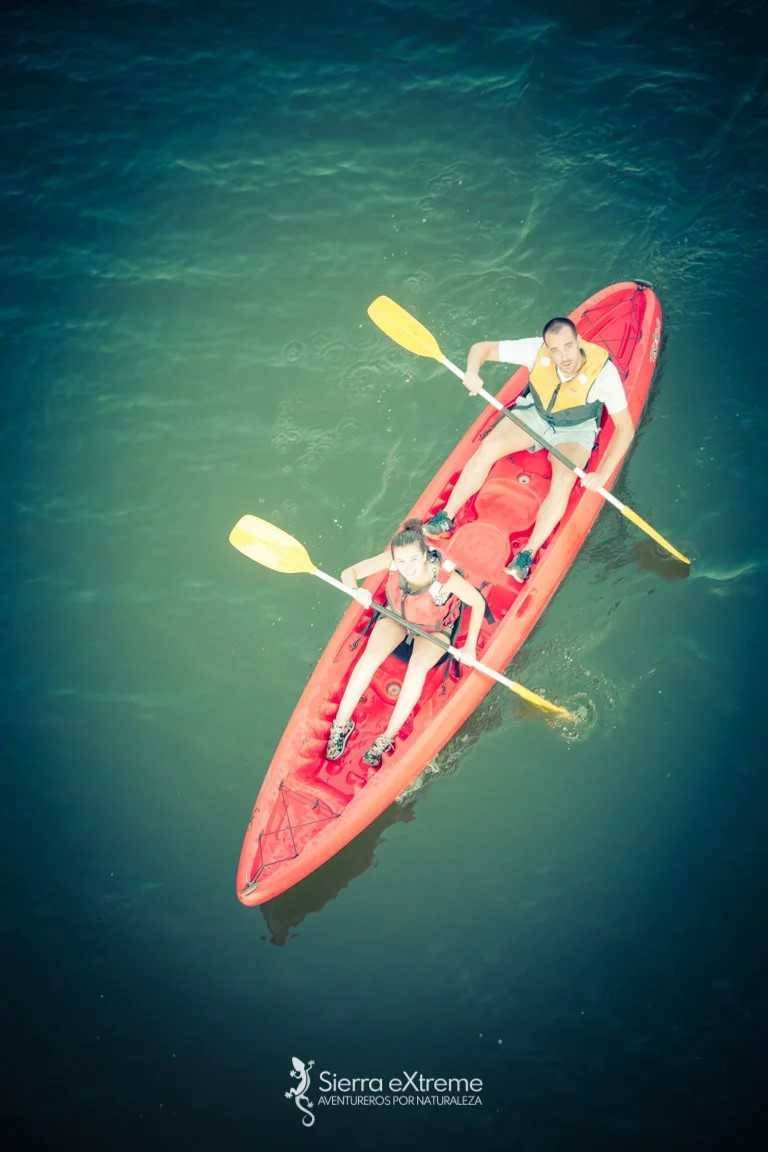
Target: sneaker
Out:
[520,568]
[374,754]
[337,741]
[441,524]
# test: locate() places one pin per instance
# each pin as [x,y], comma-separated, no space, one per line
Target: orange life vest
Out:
[563,403]
[433,608]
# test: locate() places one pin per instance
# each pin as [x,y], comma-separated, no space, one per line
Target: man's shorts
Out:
[584,433]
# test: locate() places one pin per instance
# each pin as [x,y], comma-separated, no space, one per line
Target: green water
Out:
[197,212]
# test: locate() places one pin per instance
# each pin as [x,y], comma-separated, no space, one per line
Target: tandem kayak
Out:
[309,808]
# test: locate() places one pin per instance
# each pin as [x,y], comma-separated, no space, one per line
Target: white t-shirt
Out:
[607,388]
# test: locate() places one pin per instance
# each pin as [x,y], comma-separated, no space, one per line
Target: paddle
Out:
[406,330]
[271,546]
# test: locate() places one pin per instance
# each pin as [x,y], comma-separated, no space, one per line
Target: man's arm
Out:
[476,357]
[504,352]
[624,433]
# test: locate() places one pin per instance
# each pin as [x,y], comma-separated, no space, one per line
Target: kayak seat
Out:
[510,499]
[319,784]
[479,549]
[315,743]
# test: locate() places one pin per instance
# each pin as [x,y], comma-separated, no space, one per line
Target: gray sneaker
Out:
[441,524]
[374,754]
[520,567]
[337,741]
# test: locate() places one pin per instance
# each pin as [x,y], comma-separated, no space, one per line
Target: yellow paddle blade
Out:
[263,542]
[403,328]
[540,701]
[646,527]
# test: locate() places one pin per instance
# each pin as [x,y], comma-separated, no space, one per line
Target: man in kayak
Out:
[423,588]
[570,381]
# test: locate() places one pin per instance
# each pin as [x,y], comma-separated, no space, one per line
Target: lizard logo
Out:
[300,1072]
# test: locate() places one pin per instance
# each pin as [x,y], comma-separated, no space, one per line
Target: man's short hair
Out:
[556,323]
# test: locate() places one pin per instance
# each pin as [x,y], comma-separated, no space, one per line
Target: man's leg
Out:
[554,504]
[505,438]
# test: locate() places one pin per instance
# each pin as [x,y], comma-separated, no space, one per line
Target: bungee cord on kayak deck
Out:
[284,835]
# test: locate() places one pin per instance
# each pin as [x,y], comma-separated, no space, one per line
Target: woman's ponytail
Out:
[412,532]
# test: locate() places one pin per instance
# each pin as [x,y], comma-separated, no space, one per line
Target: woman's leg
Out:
[384,638]
[424,656]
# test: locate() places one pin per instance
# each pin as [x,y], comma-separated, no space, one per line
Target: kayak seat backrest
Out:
[511,496]
[479,549]
[321,783]
[508,504]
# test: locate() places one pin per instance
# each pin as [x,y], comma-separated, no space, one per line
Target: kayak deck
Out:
[308,808]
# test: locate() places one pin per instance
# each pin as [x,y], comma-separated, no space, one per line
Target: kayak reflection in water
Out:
[427,591]
[570,380]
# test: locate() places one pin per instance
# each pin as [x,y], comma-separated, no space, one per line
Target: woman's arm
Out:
[470,595]
[364,568]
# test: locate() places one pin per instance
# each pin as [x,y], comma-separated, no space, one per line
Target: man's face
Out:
[564,349]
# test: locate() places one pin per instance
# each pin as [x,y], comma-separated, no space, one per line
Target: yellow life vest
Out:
[564,403]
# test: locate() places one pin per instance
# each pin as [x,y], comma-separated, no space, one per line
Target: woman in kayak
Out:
[427,591]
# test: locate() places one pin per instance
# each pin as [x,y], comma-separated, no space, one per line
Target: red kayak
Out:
[309,808]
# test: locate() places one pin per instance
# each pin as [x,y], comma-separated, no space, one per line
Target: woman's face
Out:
[411,562]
